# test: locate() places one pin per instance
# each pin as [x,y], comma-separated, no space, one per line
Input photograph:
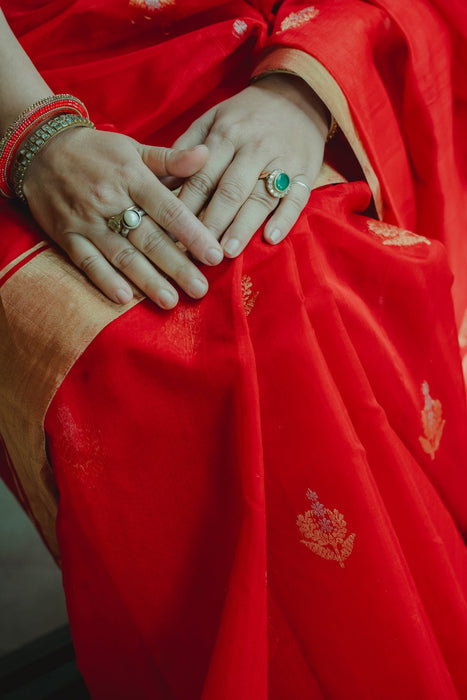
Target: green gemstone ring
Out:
[277,183]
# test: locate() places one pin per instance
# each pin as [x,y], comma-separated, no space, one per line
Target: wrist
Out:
[297,90]
[31,130]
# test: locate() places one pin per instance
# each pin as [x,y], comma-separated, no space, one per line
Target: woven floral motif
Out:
[248,295]
[325,531]
[393,235]
[239,28]
[296,19]
[183,329]
[432,422]
[151,5]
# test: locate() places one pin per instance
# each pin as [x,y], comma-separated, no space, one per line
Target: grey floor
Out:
[31,596]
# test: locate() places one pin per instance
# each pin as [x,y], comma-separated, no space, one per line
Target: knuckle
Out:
[129,174]
[201,184]
[153,244]
[171,213]
[193,239]
[264,199]
[183,270]
[124,258]
[295,205]
[228,130]
[233,192]
[89,264]
[101,194]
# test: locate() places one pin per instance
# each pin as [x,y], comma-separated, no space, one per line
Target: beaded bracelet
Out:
[27,121]
[31,146]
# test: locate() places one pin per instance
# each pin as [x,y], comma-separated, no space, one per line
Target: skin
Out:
[117,172]
[277,123]
[83,176]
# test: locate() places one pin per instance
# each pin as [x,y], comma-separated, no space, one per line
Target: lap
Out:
[304,419]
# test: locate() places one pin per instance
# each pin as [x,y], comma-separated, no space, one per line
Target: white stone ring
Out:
[126,221]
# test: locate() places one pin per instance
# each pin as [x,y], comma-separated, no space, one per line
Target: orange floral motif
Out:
[432,422]
[249,297]
[296,19]
[182,329]
[393,235]
[325,531]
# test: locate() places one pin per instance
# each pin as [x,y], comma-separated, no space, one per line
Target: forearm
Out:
[20,83]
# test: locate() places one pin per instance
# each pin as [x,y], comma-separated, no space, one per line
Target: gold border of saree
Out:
[49,315]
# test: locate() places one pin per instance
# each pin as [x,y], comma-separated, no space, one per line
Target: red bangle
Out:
[28,120]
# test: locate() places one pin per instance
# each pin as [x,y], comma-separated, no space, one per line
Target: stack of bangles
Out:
[31,131]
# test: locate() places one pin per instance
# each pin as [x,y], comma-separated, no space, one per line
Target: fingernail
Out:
[123,296]
[232,246]
[167,299]
[196,148]
[275,236]
[214,256]
[197,288]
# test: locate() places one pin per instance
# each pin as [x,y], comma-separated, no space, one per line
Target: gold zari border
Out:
[49,315]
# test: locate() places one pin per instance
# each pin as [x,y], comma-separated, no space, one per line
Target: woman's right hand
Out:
[82,177]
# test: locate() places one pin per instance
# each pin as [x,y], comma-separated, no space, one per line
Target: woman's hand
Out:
[276,123]
[82,177]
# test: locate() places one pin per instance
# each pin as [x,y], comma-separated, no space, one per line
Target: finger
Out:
[93,264]
[158,248]
[198,189]
[118,252]
[290,208]
[234,188]
[197,132]
[171,214]
[165,162]
[248,220]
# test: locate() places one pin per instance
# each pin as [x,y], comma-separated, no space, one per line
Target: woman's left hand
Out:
[276,123]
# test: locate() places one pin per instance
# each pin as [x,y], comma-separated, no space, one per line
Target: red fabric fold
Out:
[262,493]
[184,446]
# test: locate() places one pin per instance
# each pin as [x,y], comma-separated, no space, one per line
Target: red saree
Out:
[262,494]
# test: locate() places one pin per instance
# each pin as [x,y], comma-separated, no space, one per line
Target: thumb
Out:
[171,161]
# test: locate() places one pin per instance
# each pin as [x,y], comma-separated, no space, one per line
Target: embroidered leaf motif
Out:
[432,422]
[325,531]
[393,235]
[296,19]
[249,297]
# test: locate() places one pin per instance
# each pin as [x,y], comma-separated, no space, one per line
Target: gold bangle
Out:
[31,147]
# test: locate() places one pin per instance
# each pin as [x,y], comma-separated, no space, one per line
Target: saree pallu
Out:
[262,494]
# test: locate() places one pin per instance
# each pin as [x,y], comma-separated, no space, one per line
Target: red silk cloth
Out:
[262,494]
